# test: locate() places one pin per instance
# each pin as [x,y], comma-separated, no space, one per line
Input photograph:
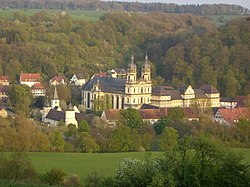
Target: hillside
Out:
[182,48]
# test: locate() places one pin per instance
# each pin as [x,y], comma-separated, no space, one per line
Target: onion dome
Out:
[146,65]
[132,65]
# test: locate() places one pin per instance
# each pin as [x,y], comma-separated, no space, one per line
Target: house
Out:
[119,73]
[29,79]
[229,116]
[38,90]
[227,102]
[152,115]
[3,113]
[4,80]
[119,93]
[191,114]
[78,79]
[57,80]
[3,92]
[53,115]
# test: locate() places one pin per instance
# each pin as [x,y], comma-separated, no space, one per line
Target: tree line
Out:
[130,133]
[204,9]
[182,49]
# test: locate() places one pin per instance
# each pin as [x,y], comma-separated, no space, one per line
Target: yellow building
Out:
[104,91]
[119,93]
[185,96]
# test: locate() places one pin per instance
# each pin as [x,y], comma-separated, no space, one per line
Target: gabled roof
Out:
[112,114]
[148,106]
[30,77]
[120,70]
[209,89]
[166,91]
[199,93]
[183,88]
[241,101]
[38,86]
[56,115]
[233,114]
[57,78]
[4,78]
[110,84]
[102,74]
[153,113]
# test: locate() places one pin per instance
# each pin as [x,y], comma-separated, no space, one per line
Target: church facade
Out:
[119,93]
[102,92]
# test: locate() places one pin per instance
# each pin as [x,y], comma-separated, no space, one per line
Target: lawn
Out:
[88,15]
[84,163]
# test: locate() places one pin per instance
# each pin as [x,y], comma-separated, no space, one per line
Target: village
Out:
[119,88]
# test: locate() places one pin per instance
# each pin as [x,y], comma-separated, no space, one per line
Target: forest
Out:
[204,9]
[182,48]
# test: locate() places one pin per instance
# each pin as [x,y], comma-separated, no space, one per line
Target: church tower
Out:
[131,71]
[70,116]
[55,101]
[146,70]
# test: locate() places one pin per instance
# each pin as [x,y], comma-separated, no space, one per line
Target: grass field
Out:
[86,163]
[92,16]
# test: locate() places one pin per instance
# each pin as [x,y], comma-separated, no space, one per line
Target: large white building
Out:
[102,92]
[119,93]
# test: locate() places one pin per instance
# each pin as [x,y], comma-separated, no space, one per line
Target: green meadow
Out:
[86,163]
[87,15]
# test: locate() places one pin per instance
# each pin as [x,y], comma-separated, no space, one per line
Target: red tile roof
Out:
[38,86]
[101,74]
[30,77]
[232,115]
[112,114]
[57,79]
[4,78]
[153,113]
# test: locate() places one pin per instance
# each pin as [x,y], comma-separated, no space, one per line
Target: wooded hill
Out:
[182,48]
[205,9]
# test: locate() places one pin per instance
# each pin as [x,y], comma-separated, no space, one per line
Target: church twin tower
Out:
[138,92]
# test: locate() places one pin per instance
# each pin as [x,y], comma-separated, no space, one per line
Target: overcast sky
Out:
[244,3]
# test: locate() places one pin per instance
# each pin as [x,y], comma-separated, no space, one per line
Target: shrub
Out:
[53,177]
[17,167]
[72,181]
[134,172]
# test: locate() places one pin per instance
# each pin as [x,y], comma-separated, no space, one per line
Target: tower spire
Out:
[132,58]
[146,57]
[55,94]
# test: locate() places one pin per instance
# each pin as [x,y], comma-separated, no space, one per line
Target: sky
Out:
[244,3]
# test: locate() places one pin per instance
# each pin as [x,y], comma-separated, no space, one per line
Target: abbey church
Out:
[131,92]
[124,93]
